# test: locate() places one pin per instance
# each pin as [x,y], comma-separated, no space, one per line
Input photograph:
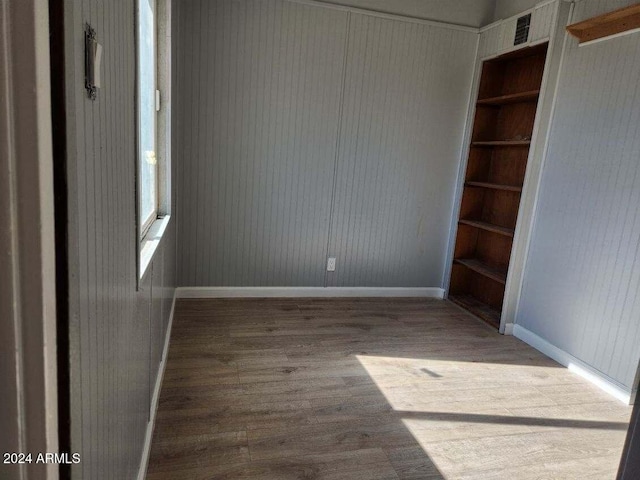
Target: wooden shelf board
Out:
[529,96]
[508,232]
[502,143]
[495,186]
[477,308]
[607,25]
[483,269]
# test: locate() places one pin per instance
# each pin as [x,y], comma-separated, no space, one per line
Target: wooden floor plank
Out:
[365,464]
[172,454]
[370,389]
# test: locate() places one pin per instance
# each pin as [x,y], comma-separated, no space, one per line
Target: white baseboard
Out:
[146,450]
[574,365]
[274,292]
[508,328]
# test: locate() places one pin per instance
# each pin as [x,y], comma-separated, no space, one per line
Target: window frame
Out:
[145,226]
[149,235]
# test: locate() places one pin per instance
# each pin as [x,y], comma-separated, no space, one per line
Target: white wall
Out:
[582,273]
[116,329]
[307,132]
[406,93]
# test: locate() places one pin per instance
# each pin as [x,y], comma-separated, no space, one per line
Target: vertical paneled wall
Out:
[259,101]
[406,94]
[308,131]
[582,274]
[116,331]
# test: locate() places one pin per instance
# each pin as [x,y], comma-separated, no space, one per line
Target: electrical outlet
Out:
[331,264]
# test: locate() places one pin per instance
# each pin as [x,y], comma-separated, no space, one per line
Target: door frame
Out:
[28,369]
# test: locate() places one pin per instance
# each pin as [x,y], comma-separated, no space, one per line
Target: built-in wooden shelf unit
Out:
[504,117]
[613,23]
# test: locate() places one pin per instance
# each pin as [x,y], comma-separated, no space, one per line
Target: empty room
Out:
[332,240]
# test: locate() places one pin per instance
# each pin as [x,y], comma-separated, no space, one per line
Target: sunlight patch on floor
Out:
[413,384]
[470,416]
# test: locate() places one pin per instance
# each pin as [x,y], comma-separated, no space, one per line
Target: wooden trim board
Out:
[609,24]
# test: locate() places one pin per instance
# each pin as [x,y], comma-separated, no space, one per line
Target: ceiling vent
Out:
[522,30]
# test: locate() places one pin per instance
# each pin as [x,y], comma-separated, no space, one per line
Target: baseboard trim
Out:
[508,328]
[275,292]
[144,462]
[574,364]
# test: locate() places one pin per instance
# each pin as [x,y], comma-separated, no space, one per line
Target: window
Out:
[153,157]
[147,162]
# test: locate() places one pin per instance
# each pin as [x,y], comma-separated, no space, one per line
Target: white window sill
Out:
[150,243]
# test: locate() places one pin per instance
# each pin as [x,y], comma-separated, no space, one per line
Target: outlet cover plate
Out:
[331,264]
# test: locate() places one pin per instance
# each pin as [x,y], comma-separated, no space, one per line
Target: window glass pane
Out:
[147,110]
